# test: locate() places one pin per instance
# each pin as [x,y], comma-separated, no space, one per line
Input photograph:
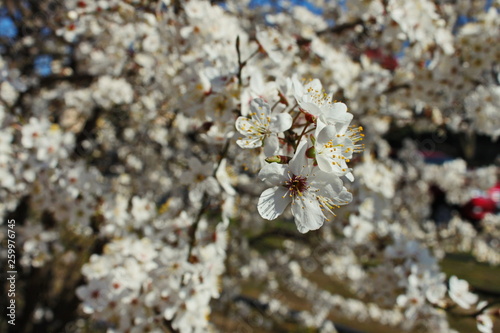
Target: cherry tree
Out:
[185,166]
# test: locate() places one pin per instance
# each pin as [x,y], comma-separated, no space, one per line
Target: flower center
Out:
[296,185]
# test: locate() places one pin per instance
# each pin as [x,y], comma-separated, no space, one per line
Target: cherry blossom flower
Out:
[358,229]
[262,128]
[142,209]
[459,293]
[308,189]
[95,296]
[200,180]
[111,91]
[257,88]
[484,323]
[334,147]
[34,131]
[313,100]
[269,40]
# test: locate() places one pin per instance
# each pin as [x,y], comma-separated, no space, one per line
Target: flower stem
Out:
[300,137]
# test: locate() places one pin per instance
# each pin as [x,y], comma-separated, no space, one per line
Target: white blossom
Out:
[308,190]
[262,128]
[459,293]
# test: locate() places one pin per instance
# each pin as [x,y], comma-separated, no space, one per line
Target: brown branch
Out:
[241,64]
[87,131]
[394,88]
[204,206]
[338,29]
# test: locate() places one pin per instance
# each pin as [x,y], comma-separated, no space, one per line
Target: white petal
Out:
[324,162]
[337,115]
[344,197]
[244,125]
[340,108]
[274,173]
[315,85]
[271,145]
[307,213]
[195,165]
[272,202]
[484,323]
[299,162]
[280,122]
[223,178]
[342,126]
[329,185]
[249,143]
[298,88]
[257,81]
[320,124]
[211,186]
[196,194]
[310,108]
[258,106]
[349,176]
[327,134]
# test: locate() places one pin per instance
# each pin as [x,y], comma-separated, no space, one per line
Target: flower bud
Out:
[309,117]
[281,159]
[311,152]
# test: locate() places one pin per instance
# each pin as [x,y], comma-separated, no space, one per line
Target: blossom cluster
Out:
[141,284]
[322,142]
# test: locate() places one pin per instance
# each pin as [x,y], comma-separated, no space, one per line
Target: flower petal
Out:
[280,122]
[249,143]
[258,106]
[349,176]
[299,162]
[307,213]
[298,88]
[272,202]
[310,108]
[327,134]
[344,197]
[328,185]
[223,178]
[324,162]
[274,173]
[245,126]
[271,145]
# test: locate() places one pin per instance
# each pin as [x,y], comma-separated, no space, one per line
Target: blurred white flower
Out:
[484,323]
[142,210]
[460,294]
[95,296]
[200,179]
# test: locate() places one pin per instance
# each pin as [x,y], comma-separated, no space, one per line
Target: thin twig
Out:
[240,67]
[337,29]
[240,63]
[301,135]
[204,205]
